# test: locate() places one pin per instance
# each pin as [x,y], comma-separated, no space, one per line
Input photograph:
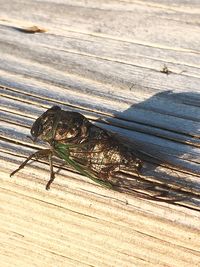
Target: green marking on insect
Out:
[63,152]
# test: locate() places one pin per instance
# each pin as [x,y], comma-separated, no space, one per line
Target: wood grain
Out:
[104,59]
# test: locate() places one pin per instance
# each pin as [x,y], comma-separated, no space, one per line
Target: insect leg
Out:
[109,171]
[36,155]
[52,174]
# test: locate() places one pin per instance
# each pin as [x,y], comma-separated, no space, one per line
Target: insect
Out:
[89,149]
[92,151]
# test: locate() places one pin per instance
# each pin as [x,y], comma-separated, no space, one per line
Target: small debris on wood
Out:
[32,29]
[131,87]
[165,70]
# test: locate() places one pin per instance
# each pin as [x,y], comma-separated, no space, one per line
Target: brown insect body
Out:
[91,146]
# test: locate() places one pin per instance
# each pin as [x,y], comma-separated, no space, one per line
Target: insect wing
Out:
[62,150]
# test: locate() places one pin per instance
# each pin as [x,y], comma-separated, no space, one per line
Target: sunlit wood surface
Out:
[132,67]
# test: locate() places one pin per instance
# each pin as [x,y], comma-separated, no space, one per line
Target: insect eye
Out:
[36,129]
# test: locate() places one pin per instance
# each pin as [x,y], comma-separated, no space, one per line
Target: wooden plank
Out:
[105,59]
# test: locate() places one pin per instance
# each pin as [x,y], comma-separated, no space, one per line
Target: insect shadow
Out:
[167,120]
[164,131]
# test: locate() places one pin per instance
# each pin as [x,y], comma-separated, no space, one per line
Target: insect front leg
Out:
[52,174]
[36,155]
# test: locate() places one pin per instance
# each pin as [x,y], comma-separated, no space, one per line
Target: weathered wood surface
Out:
[106,60]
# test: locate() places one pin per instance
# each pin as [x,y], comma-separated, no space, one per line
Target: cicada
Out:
[90,150]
